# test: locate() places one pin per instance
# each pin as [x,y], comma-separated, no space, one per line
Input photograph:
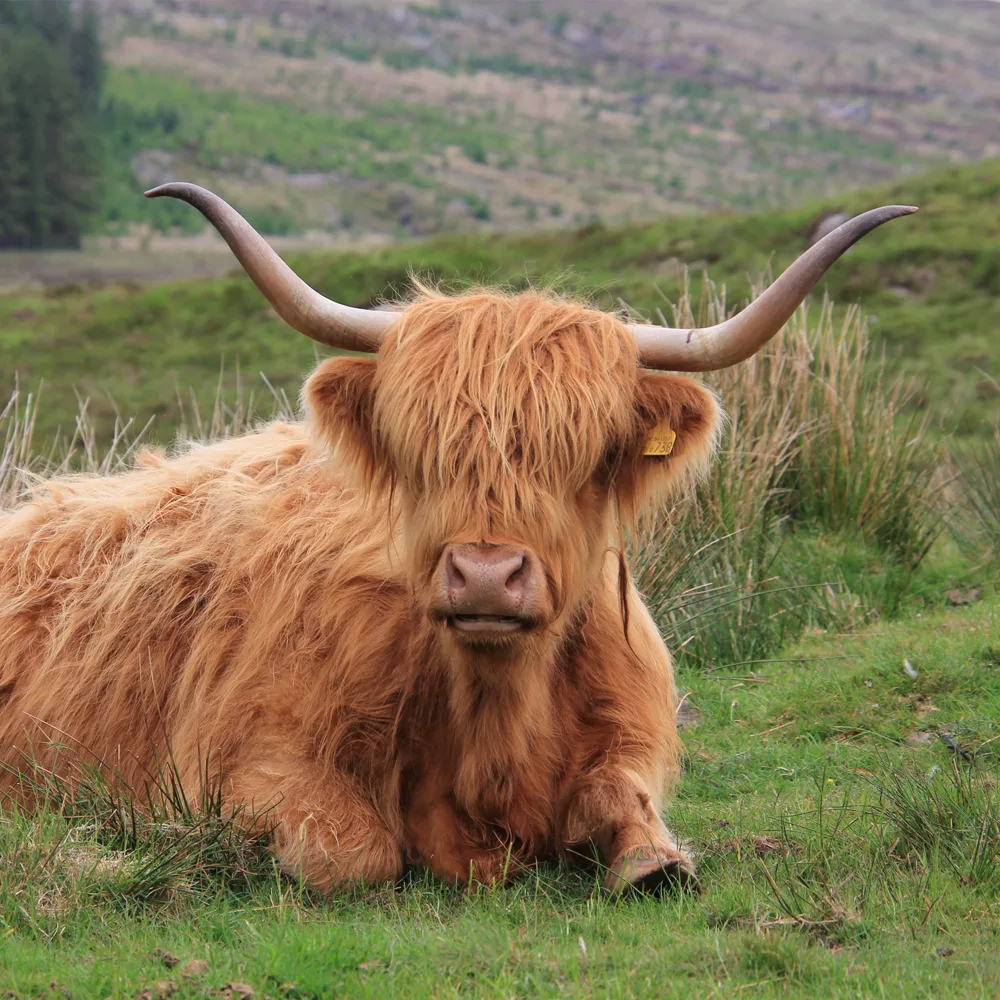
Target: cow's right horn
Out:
[745,334]
[301,307]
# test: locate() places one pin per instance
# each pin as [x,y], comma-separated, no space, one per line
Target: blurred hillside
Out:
[389,120]
[930,283]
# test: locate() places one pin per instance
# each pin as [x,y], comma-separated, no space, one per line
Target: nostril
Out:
[454,577]
[516,582]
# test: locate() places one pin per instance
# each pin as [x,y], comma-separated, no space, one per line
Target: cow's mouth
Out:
[488,623]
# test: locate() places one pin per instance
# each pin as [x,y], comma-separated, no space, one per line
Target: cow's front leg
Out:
[449,850]
[324,830]
[616,812]
[451,846]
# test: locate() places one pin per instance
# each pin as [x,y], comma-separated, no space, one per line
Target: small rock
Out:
[768,845]
[949,741]
[233,990]
[159,990]
[164,956]
[920,739]
[193,969]
[688,717]
[945,952]
[958,596]
[825,225]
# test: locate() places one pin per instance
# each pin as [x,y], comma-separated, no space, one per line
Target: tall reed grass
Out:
[975,496]
[25,462]
[819,441]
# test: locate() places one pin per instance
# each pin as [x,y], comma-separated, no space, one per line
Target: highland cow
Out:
[403,627]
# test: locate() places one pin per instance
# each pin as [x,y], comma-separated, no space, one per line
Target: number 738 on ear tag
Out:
[660,441]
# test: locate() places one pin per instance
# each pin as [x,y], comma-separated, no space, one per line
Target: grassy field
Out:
[930,283]
[831,597]
[837,648]
[847,848]
[409,119]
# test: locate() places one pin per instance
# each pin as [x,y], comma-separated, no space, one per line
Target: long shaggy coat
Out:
[258,608]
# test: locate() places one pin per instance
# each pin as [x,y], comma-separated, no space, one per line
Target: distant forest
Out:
[51,72]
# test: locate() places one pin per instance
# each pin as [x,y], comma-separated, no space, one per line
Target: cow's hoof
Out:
[641,871]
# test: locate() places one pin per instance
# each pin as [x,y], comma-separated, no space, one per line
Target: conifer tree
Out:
[50,78]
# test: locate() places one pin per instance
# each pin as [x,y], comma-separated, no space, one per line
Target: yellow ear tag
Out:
[660,441]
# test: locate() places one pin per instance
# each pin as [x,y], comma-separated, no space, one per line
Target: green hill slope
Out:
[410,119]
[931,284]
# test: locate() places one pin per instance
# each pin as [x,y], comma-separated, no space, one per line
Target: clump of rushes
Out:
[23,465]
[819,440]
[976,494]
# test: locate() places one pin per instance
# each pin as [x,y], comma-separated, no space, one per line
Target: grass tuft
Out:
[977,497]
[947,815]
[87,838]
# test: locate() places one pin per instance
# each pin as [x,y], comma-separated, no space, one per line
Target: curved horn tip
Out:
[176,189]
[875,217]
[854,229]
[899,210]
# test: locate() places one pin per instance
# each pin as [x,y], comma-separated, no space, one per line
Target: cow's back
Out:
[159,612]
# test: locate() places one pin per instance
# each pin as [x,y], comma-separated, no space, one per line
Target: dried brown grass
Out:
[24,462]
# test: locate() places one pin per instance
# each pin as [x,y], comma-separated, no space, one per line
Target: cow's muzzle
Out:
[485,591]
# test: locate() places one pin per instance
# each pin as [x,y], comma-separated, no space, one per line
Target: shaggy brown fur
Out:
[262,604]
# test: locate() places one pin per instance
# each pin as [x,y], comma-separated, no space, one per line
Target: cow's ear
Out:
[340,398]
[675,432]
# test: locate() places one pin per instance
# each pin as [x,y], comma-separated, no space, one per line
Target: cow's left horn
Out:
[300,306]
[745,334]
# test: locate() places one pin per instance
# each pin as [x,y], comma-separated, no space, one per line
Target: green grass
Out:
[803,776]
[225,130]
[845,814]
[930,283]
